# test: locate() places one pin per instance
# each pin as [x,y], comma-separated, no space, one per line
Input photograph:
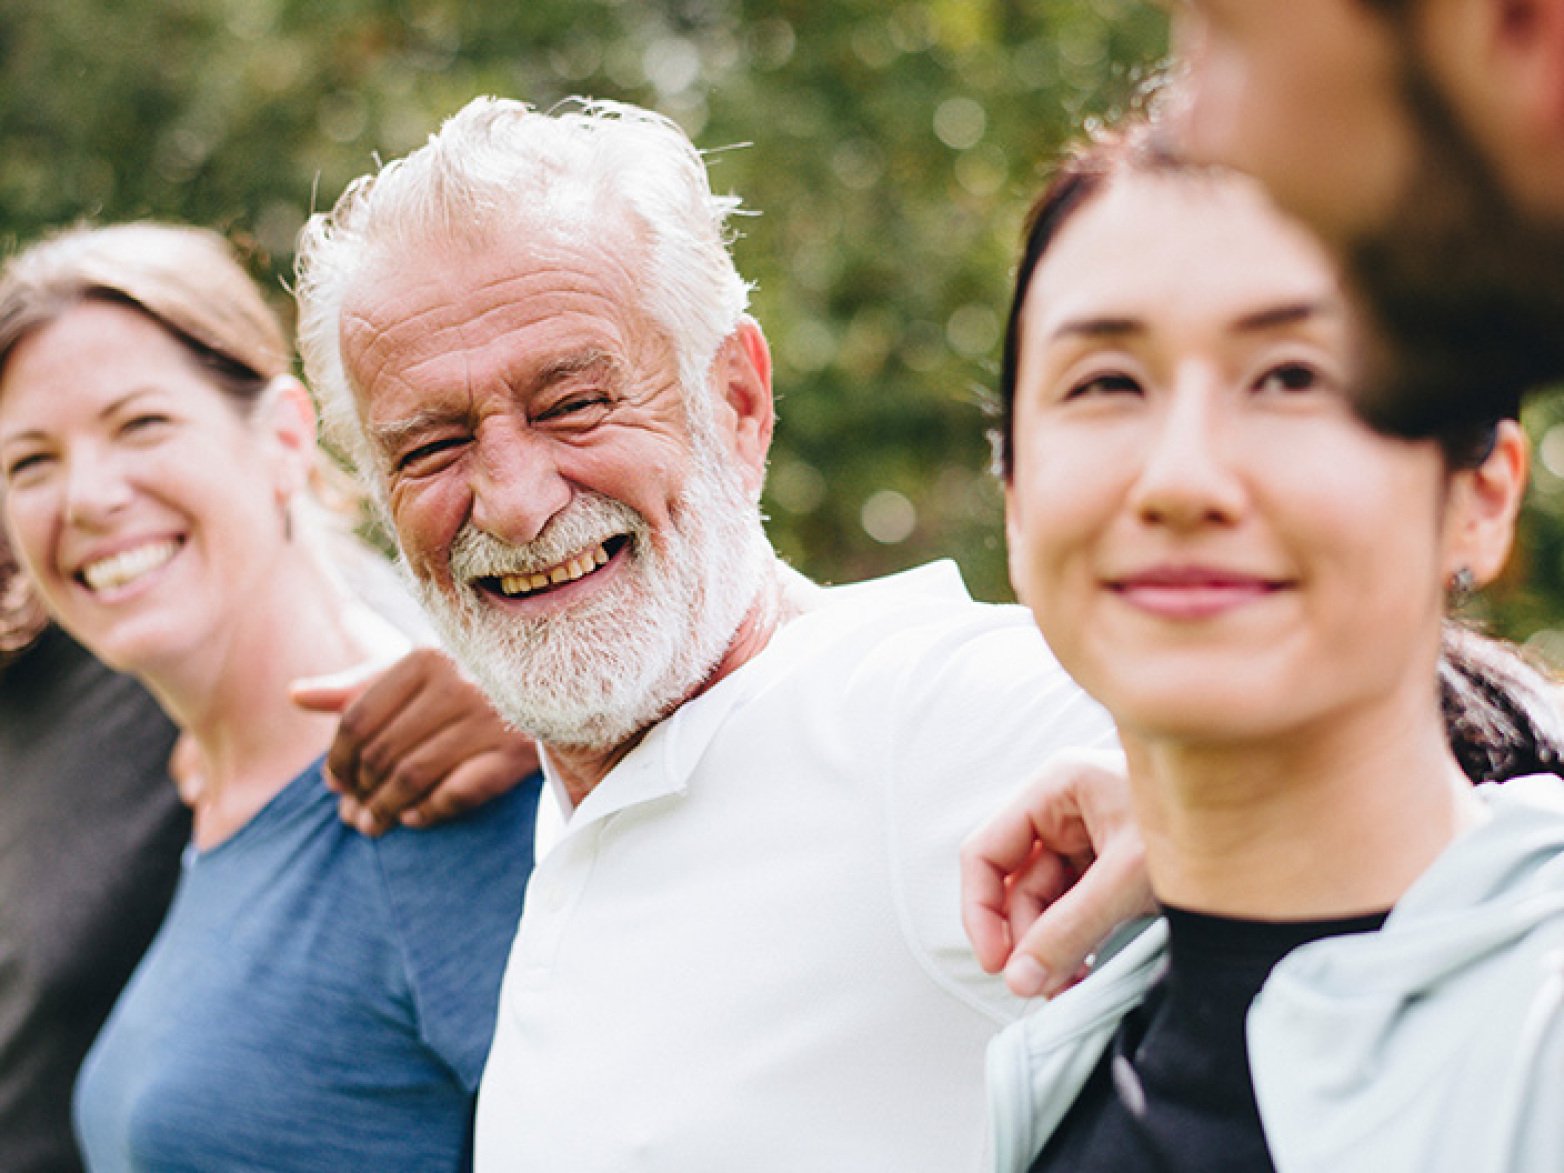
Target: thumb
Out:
[1051,954]
[335,691]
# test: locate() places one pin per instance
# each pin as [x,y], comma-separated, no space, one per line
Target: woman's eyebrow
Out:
[1100,327]
[104,413]
[1286,314]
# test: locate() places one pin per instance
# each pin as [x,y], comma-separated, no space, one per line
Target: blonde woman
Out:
[316,999]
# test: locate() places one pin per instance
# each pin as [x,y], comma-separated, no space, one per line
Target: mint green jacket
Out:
[1435,1044]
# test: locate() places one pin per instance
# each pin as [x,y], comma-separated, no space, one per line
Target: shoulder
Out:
[495,837]
[454,894]
[920,630]
[951,706]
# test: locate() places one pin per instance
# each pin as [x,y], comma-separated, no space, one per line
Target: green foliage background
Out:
[889,149]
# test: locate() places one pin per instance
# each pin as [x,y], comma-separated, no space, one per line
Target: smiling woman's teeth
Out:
[581,564]
[128,565]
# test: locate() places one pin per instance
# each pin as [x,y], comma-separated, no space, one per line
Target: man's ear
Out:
[742,383]
[1529,38]
[285,418]
[1502,65]
[1483,505]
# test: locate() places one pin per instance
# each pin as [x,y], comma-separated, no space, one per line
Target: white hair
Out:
[497,161]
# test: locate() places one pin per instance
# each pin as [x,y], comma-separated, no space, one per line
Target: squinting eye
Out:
[143,423]
[424,454]
[1290,377]
[23,465]
[572,407]
[1114,384]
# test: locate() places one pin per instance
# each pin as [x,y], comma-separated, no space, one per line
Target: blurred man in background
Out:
[1424,139]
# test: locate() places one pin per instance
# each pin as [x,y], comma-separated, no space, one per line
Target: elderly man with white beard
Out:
[745,950]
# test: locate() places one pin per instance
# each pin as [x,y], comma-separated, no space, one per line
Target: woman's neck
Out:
[233,701]
[1324,822]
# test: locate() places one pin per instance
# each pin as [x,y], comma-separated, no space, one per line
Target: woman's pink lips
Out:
[1192,592]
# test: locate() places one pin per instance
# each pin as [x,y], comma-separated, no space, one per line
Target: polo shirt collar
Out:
[662,764]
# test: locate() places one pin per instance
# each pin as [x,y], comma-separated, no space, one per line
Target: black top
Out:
[91,831]
[1172,1091]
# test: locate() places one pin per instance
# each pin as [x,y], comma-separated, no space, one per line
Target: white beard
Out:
[597,674]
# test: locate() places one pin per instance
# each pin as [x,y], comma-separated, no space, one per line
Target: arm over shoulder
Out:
[975,705]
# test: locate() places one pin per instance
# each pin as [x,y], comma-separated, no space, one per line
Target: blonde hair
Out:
[185,279]
[188,281]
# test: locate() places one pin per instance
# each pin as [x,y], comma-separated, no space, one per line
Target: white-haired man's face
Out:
[586,551]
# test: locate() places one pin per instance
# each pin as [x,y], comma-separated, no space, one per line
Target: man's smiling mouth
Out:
[520,585]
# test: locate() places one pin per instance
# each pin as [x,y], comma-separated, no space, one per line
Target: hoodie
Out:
[1435,1044]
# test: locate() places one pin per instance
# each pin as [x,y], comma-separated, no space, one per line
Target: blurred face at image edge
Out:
[1392,128]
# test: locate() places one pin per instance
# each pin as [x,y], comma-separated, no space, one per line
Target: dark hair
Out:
[1080,176]
[1502,715]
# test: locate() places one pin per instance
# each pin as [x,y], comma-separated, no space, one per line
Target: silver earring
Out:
[1461,586]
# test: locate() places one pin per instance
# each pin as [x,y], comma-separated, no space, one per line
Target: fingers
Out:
[422,744]
[360,817]
[1051,953]
[478,781]
[984,911]
[1000,899]
[334,692]
[410,759]
[382,716]
[1015,862]
[1053,873]
[412,802]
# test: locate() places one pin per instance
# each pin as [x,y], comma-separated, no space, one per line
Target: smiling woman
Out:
[1253,582]
[315,999]
[131,499]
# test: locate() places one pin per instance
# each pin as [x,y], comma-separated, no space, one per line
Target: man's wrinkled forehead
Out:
[407,297]
[382,310]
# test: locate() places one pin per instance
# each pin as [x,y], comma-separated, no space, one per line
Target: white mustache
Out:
[588,521]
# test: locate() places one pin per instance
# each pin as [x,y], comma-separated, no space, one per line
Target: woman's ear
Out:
[1484,502]
[1014,562]
[285,419]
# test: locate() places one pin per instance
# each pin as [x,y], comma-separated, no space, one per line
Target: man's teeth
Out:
[128,565]
[580,565]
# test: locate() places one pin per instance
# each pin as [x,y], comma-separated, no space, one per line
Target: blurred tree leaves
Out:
[889,149]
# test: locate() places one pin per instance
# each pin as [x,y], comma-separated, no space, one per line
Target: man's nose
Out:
[517,485]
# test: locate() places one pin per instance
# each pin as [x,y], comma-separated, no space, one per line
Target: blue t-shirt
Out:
[315,1000]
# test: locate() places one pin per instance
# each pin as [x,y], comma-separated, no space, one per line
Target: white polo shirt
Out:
[744,952]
